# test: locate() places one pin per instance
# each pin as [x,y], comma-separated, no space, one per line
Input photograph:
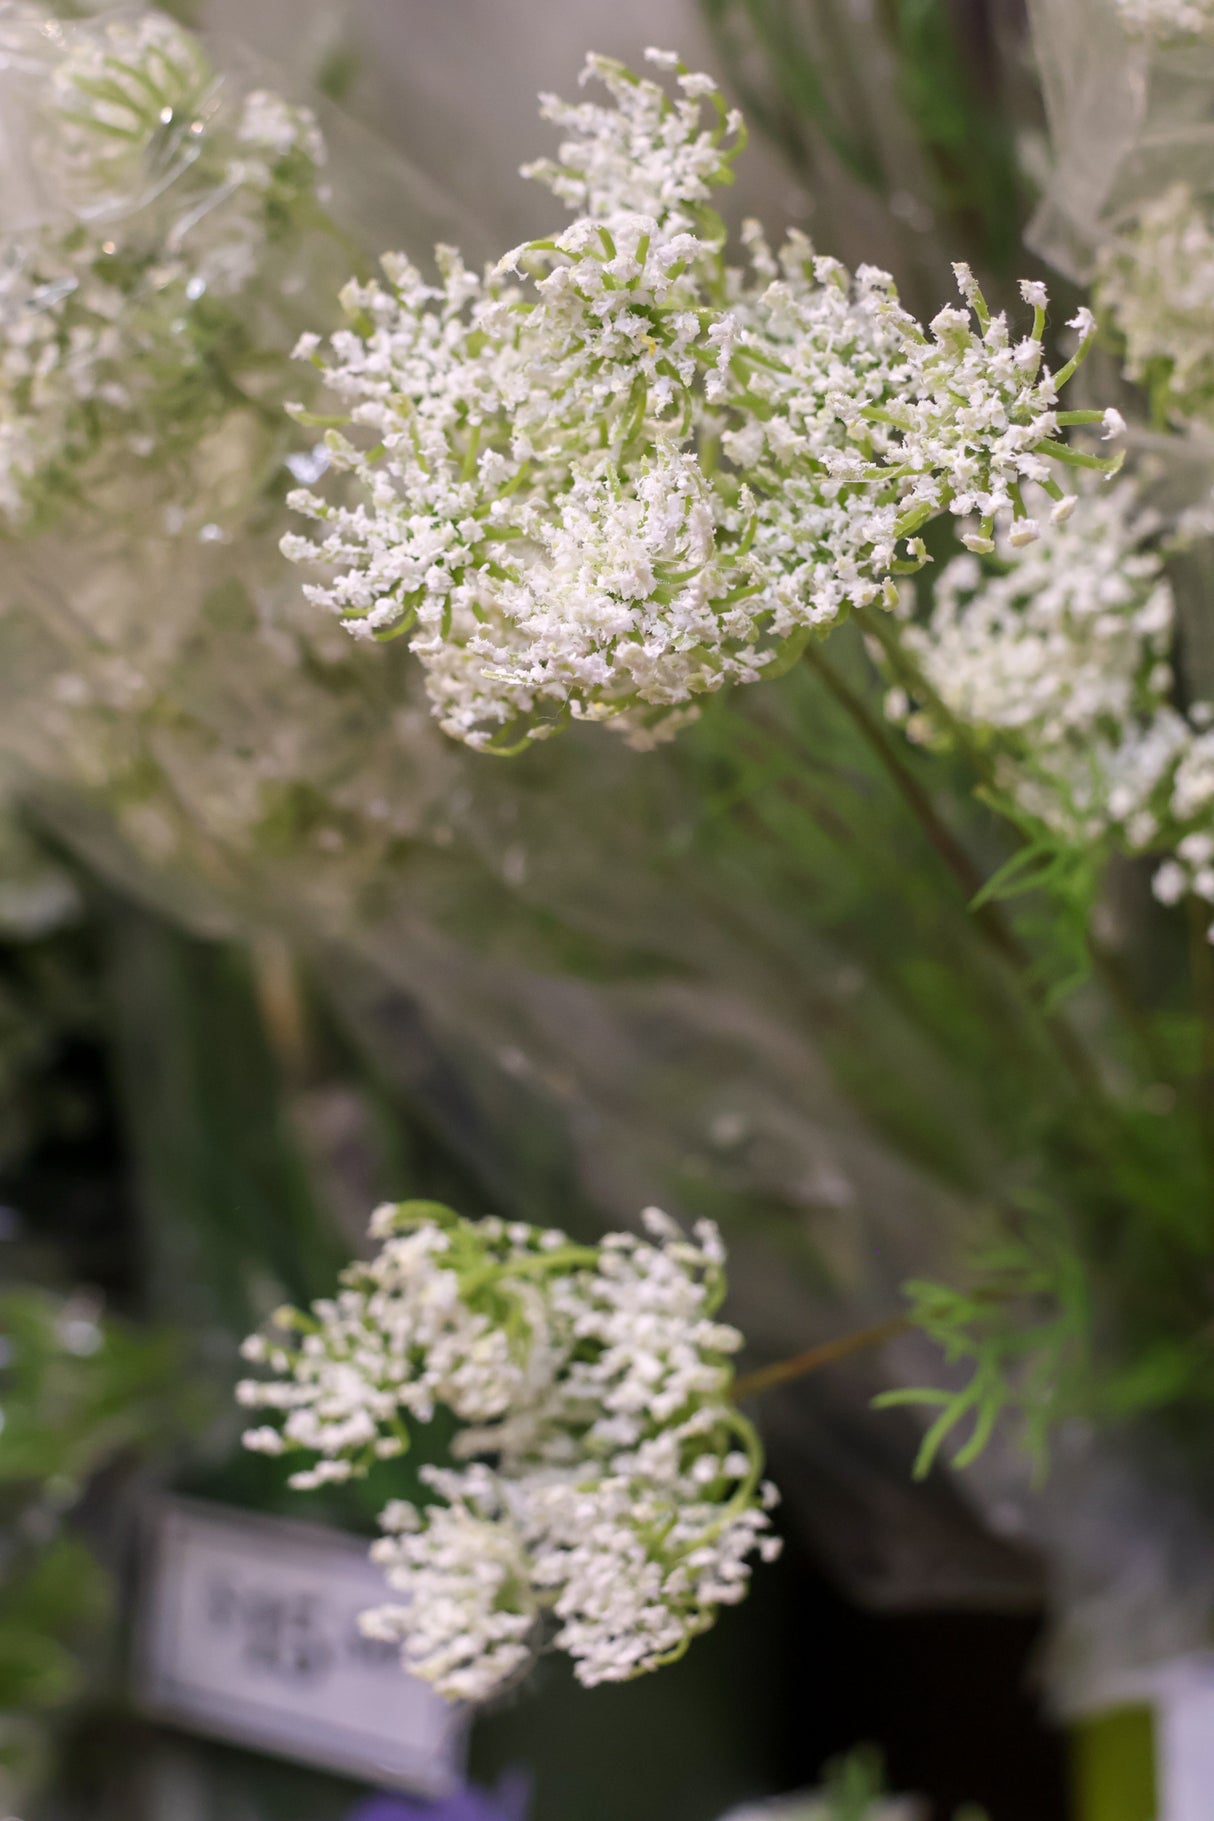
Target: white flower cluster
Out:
[1066,639]
[123,329]
[278,145]
[616,472]
[646,152]
[1189,871]
[1154,280]
[1167,18]
[612,1489]
[1058,662]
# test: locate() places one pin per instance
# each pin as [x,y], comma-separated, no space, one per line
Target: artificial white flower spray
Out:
[618,472]
[600,483]
[622,470]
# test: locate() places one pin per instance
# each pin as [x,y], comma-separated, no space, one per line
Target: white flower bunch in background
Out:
[145,336]
[611,1490]
[618,472]
[1154,279]
[1049,651]
[1189,871]
[1056,659]
[125,320]
[1167,18]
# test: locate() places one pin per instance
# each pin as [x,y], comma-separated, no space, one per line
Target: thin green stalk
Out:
[940,837]
[944,843]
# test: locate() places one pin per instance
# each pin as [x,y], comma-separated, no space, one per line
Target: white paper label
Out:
[1185,1742]
[249,1632]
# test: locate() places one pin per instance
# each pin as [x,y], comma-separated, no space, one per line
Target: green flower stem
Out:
[311,218]
[912,678]
[944,843]
[939,836]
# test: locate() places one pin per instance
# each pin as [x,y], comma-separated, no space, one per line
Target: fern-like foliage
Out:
[1023,1334]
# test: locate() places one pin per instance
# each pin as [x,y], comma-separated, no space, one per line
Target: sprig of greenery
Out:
[1065,880]
[854,1786]
[1024,1333]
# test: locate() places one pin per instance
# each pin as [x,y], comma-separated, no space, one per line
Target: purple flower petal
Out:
[509,1802]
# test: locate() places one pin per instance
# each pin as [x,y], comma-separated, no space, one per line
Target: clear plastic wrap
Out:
[1127,118]
[158,661]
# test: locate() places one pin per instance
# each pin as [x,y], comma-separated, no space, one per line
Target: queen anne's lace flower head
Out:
[612,1493]
[1154,280]
[616,472]
[1058,662]
[1068,638]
